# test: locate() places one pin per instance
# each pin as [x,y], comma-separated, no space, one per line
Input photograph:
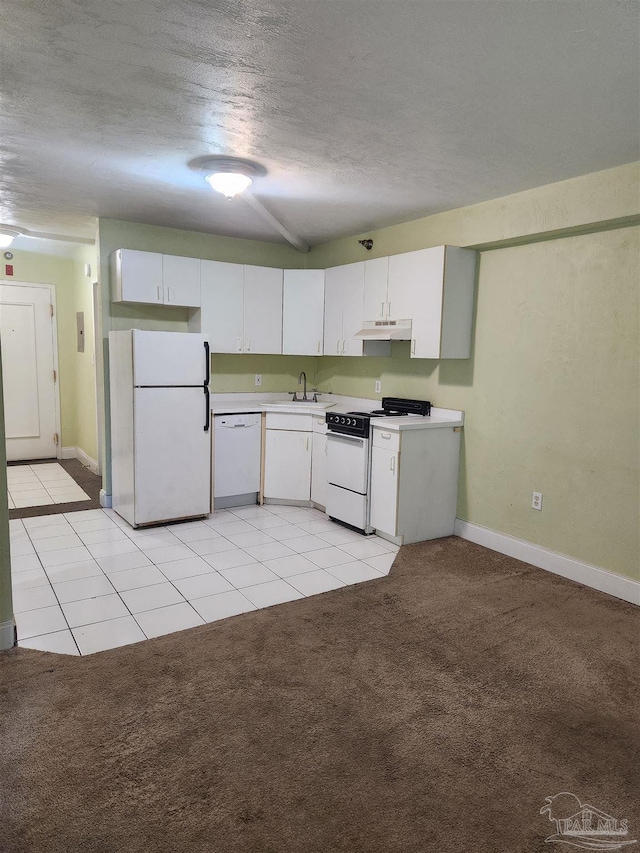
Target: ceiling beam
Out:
[296,242]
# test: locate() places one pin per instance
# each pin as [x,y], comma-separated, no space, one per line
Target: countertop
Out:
[228,404]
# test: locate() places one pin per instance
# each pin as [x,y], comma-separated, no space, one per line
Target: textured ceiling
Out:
[364,112]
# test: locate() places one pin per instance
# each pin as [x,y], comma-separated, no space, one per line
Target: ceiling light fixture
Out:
[229,183]
[230,175]
[7,236]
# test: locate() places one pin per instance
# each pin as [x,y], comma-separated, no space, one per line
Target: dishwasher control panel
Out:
[235,421]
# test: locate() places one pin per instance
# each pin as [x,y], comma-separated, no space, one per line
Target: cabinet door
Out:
[376,278]
[181,280]
[303,312]
[221,315]
[319,469]
[262,310]
[287,465]
[352,308]
[384,489]
[139,276]
[415,288]
[333,290]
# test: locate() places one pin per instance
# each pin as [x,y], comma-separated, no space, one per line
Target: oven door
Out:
[348,462]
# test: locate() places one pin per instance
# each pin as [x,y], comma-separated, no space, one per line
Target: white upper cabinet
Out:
[376,282]
[252,309]
[150,277]
[181,281]
[343,311]
[262,310]
[222,314]
[434,288]
[241,308]
[303,312]
[136,276]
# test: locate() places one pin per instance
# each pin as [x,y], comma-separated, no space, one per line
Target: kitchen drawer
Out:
[389,439]
[299,423]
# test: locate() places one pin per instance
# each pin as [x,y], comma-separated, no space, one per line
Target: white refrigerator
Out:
[160,425]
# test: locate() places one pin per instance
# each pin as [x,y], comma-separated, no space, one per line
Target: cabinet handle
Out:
[248,345]
[385,435]
[168,294]
[306,443]
[319,342]
[343,346]
[413,346]
[388,309]
[159,294]
[338,347]
[392,464]
[382,309]
[239,344]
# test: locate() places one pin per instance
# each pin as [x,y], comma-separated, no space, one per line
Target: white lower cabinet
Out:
[414,483]
[384,497]
[319,462]
[287,457]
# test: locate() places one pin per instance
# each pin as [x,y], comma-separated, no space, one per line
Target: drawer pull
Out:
[385,435]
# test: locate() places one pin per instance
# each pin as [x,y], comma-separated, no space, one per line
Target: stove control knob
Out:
[352,421]
[343,420]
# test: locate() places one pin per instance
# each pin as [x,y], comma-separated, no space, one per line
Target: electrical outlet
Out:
[378,386]
[258,380]
[536,502]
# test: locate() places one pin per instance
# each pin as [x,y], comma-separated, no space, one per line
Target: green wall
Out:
[76,376]
[551,391]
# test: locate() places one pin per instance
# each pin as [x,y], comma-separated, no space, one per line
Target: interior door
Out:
[26,335]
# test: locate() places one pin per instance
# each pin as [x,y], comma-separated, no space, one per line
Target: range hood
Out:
[385,330]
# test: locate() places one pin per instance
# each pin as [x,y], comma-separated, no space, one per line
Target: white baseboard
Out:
[560,564]
[79,454]
[105,499]
[7,635]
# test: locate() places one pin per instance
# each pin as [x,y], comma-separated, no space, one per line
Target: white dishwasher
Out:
[236,459]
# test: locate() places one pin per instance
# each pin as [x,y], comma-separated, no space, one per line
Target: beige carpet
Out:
[433,710]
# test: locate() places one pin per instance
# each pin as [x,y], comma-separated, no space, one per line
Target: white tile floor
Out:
[41,485]
[86,581]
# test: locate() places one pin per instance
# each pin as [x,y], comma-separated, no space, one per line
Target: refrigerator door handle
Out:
[207,366]
[207,400]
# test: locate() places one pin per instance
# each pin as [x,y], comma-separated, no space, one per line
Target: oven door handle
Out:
[358,439]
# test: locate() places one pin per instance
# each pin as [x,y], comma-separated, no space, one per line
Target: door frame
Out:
[99,374]
[54,332]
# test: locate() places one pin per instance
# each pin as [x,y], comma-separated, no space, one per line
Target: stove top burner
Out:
[358,423]
[379,413]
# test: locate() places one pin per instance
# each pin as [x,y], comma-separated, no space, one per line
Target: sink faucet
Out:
[303,376]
